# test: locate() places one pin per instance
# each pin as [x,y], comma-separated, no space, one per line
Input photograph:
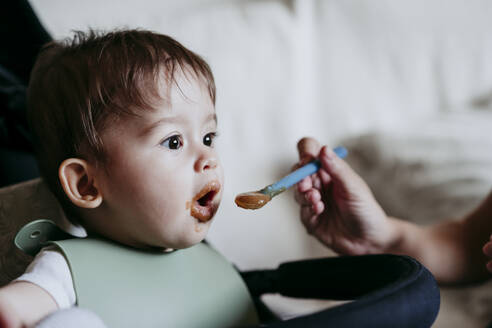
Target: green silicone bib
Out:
[127,287]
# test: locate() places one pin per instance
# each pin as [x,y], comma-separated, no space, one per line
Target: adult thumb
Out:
[340,172]
[308,149]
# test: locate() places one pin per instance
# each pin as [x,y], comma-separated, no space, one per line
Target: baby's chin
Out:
[170,247]
[189,241]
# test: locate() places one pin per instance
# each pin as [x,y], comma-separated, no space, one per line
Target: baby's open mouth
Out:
[203,206]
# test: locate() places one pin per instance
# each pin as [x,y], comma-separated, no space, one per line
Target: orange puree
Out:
[252,200]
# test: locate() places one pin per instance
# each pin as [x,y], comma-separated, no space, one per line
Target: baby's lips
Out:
[205,212]
[209,187]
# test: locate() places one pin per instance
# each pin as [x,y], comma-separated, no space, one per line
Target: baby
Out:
[124,124]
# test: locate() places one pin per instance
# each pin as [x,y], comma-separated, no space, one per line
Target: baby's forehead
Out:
[185,101]
[183,86]
[160,97]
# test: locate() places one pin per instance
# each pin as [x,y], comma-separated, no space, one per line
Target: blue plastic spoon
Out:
[256,199]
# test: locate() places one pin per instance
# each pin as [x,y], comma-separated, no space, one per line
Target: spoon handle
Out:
[302,172]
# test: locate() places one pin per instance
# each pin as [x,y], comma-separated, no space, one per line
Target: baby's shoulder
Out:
[50,271]
[48,258]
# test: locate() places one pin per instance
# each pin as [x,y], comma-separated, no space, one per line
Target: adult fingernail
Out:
[327,153]
[330,153]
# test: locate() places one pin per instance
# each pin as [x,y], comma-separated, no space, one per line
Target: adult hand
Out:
[337,206]
[487,250]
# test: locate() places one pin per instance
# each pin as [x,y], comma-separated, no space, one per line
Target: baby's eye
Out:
[173,142]
[208,140]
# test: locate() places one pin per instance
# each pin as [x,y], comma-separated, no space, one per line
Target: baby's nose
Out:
[205,163]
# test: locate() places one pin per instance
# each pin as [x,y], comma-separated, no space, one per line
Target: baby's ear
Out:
[79,183]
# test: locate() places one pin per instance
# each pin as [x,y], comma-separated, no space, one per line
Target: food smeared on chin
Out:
[202,205]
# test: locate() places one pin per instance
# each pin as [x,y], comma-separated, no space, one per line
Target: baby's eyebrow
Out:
[168,119]
[211,117]
[172,119]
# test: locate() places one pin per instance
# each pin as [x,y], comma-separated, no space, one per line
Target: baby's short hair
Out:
[78,83]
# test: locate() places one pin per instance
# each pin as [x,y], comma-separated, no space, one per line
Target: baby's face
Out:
[163,183]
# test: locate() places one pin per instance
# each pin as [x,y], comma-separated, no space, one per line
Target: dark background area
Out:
[22,36]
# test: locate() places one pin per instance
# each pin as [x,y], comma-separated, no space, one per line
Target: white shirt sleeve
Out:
[49,270]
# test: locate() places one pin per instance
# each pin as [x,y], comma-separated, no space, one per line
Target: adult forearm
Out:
[444,248]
